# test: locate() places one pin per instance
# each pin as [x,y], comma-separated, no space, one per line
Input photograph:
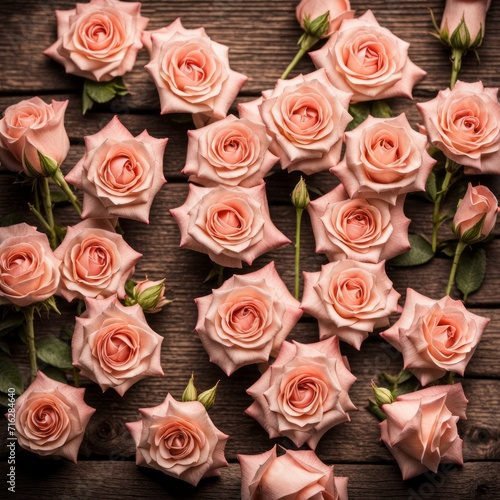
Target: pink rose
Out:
[304,393]
[179,439]
[384,158]
[296,475]
[349,299]
[29,270]
[246,320]
[435,336]
[190,71]
[31,127]
[473,12]
[368,60]
[96,261]
[51,418]
[338,11]
[113,345]
[119,174]
[98,40]
[368,230]
[231,225]
[421,428]
[464,123]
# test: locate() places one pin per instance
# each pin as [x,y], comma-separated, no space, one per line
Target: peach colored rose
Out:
[435,336]
[421,428]
[338,11]
[190,71]
[368,230]
[29,270]
[98,40]
[472,11]
[119,174]
[246,320]
[96,261]
[51,418]
[349,299]
[304,393]
[384,158]
[179,439]
[364,58]
[296,475]
[464,123]
[113,345]
[29,127]
[231,225]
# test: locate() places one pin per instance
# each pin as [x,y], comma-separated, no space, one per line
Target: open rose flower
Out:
[29,270]
[296,475]
[435,336]
[179,439]
[246,319]
[98,40]
[312,9]
[191,72]
[231,225]
[349,299]
[384,158]
[368,230]
[304,393]
[119,174]
[421,428]
[368,60]
[51,418]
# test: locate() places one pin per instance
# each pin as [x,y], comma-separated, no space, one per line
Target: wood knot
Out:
[480,442]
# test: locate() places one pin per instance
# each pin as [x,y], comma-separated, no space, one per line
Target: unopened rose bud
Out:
[320,18]
[300,195]
[190,393]
[383,396]
[207,398]
[149,295]
[45,166]
[319,26]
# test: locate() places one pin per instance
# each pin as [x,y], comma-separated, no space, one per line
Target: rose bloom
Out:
[349,299]
[113,345]
[473,13]
[179,439]
[98,40]
[306,117]
[384,158]
[29,270]
[464,123]
[51,418]
[96,261]
[368,230]
[435,336]
[296,475]
[231,225]
[368,60]
[119,174]
[191,72]
[338,10]
[31,127]
[246,320]
[421,428]
[304,393]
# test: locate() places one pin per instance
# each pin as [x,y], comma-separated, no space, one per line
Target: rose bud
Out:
[300,195]
[320,18]
[150,295]
[190,393]
[207,398]
[382,395]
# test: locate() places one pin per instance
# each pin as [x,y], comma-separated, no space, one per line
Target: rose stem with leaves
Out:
[300,199]
[458,252]
[47,207]
[59,179]
[30,333]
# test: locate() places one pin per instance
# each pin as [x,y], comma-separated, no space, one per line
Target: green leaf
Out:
[4,400]
[10,323]
[102,92]
[55,374]
[374,409]
[359,113]
[380,109]
[54,352]
[10,377]
[431,186]
[12,218]
[87,102]
[471,271]
[58,197]
[4,346]
[419,253]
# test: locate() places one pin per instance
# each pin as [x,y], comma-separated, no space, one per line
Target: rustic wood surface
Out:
[262,38]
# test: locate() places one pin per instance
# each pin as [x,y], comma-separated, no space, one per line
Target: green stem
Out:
[47,206]
[458,252]
[295,60]
[299,212]
[220,276]
[306,42]
[456,61]
[40,217]
[59,179]
[30,330]
[76,377]
[437,206]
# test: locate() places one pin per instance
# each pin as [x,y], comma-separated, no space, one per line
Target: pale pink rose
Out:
[368,60]
[384,158]
[464,123]
[51,418]
[190,71]
[421,428]
[231,225]
[304,393]
[29,127]
[296,475]
[98,40]
[119,174]
[246,320]
[349,299]
[435,336]
[114,346]
[180,439]
[29,270]
[472,11]
[338,11]
[96,261]
[229,152]
[368,230]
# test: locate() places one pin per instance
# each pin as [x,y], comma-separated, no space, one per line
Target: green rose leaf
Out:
[431,186]
[101,92]
[380,109]
[471,271]
[419,253]
[359,113]
[54,352]
[10,376]
[55,374]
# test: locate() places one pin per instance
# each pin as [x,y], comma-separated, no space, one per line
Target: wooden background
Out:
[262,38]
